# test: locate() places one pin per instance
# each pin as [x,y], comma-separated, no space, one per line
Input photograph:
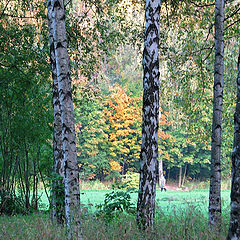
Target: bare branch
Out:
[4,9]
[204,5]
[236,11]
[209,53]
[230,25]
[13,16]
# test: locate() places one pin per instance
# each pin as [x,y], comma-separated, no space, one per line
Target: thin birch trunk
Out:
[149,149]
[57,201]
[71,171]
[215,179]
[184,174]
[26,176]
[160,171]
[234,228]
[180,177]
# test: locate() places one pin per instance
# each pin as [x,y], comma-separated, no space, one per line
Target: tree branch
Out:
[204,5]
[209,53]
[232,24]
[232,14]
[4,9]
[13,16]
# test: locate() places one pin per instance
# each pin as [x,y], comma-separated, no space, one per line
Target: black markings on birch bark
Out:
[149,149]
[234,227]
[215,179]
[57,191]
[71,174]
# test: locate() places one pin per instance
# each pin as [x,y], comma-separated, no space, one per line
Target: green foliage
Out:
[131,180]
[11,204]
[57,196]
[115,203]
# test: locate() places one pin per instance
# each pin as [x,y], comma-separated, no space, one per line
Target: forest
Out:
[120,119]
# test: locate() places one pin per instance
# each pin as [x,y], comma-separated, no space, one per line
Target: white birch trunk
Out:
[58,169]
[215,179]
[71,173]
[160,168]
[234,228]
[149,150]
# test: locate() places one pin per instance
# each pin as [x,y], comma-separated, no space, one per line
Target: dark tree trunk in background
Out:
[57,200]
[234,228]
[215,179]
[149,150]
[71,171]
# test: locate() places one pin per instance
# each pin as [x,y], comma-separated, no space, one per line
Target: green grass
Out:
[187,224]
[165,200]
[179,215]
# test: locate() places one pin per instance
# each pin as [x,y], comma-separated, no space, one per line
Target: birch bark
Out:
[58,169]
[215,179]
[149,149]
[234,228]
[71,173]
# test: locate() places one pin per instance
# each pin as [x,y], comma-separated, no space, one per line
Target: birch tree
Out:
[58,169]
[215,179]
[71,173]
[149,149]
[234,228]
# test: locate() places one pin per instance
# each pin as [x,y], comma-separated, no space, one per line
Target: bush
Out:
[115,203]
[11,204]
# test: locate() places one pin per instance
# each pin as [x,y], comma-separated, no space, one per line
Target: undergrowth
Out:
[189,224]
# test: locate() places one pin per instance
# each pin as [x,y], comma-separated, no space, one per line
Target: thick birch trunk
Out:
[71,174]
[234,228]
[149,150]
[58,169]
[215,179]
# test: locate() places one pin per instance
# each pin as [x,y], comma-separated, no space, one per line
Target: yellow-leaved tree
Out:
[124,118]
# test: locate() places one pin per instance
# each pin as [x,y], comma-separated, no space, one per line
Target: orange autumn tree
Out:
[124,118]
[163,136]
[164,141]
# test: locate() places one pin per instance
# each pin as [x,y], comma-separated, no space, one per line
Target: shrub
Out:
[115,203]
[11,204]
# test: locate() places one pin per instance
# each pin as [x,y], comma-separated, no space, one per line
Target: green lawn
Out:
[166,201]
[180,215]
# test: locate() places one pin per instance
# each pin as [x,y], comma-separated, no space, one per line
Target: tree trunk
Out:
[149,149]
[160,171]
[180,177]
[71,173]
[184,174]
[57,200]
[215,179]
[27,184]
[234,228]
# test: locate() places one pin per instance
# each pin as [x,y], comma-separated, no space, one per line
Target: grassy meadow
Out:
[179,215]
